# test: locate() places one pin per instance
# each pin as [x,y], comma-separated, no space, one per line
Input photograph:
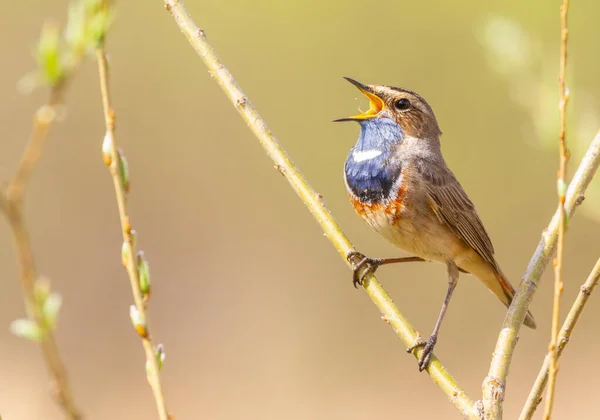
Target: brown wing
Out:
[452,206]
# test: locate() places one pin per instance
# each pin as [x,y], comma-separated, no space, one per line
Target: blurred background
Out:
[255,308]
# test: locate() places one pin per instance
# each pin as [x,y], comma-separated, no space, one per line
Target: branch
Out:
[42,121]
[59,54]
[535,396]
[311,199]
[558,261]
[136,265]
[39,324]
[494,383]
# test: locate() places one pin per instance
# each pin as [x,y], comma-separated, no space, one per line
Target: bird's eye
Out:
[402,104]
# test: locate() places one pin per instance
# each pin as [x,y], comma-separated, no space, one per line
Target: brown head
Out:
[408,109]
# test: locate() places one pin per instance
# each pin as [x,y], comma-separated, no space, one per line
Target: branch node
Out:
[585,290]
[111,119]
[495,388]
[280,168]
[530,283]
[45,114]
[240,102]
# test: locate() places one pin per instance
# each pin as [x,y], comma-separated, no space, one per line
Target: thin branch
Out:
[311,199]
[42,121]
[59,54]
[117,167]
[586,289]
[558,262]
[494,383]
[12,204]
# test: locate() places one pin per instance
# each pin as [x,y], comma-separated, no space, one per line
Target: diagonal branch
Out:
[42,122]
[535,396]
[494,384]
[311,199]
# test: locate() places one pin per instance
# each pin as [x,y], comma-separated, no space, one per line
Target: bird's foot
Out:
[363,267]
[428,346]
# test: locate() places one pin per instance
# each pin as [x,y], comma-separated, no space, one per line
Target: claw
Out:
[353,254]
[428,346]
[370,266]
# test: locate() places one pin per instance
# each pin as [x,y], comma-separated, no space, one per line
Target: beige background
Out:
[256,310]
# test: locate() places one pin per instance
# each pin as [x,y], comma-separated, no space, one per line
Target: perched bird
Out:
[399,183]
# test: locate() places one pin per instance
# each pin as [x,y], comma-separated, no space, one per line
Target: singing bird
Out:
[399,183]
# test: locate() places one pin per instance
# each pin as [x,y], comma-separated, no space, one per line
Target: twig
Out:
[535,396]
[59,54]
[42,121]
[118,170]
[12,203]
[494,383]
[558,262]
[311,198]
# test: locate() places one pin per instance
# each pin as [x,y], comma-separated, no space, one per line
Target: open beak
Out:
[376,104]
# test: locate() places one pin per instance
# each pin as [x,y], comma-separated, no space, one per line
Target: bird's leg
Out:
[368,265]
[429,344]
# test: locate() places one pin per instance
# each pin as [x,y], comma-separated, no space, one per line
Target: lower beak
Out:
[376,104]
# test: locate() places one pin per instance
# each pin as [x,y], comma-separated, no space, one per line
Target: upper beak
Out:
[376,104]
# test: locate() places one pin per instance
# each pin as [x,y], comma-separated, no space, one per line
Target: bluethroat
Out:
[399,183]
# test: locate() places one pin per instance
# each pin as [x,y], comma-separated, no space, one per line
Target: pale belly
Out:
[420,234]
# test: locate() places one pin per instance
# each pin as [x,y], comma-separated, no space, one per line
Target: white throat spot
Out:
[362,155]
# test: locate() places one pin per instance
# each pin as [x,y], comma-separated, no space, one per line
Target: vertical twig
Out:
[12,204]
[311,199]
[117,165]
[585,291]
[558,262]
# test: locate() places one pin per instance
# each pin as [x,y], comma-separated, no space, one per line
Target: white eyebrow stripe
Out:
[362,155]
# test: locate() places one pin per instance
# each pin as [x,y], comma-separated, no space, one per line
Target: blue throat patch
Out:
[370,175]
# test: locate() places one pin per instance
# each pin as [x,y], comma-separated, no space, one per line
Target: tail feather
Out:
[509,293]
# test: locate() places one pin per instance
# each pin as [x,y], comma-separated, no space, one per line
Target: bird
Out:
[399,183]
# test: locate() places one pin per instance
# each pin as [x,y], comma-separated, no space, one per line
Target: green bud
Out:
[143,273]
[124,171]
[28,329]
[561,187]
[91,5]
[51,308]
[97,26]
[133,236]
[74,33]
[41,290]
[125,254]
[49,54]
[160,354]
